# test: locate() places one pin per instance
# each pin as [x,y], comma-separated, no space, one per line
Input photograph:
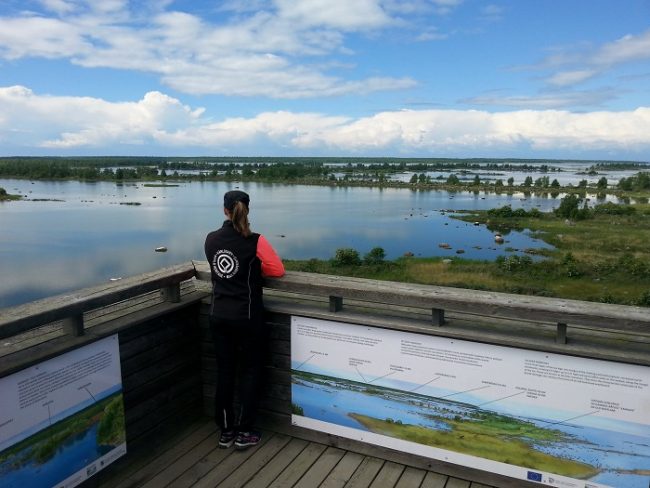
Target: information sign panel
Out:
[557,420]
[62,420]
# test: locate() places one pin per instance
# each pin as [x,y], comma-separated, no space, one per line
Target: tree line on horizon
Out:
[297,169]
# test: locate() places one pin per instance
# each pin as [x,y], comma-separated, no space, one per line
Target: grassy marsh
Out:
[605,258]
[483,439]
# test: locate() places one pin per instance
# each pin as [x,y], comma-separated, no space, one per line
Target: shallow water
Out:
[91,234]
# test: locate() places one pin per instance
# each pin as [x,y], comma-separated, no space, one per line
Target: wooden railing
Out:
[155,316]
[600,330]
[589,330]
[167,354]
[70,307]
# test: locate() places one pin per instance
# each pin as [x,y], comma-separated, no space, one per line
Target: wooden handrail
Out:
[71,306]
[559,311]
[439,299]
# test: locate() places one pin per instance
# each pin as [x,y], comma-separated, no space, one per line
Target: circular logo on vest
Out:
[225,264]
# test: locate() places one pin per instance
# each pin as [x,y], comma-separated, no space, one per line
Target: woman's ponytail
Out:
[240,219]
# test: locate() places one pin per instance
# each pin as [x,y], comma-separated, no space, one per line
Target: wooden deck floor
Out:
[192,458]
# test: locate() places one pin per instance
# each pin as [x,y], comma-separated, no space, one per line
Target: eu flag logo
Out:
[533,476]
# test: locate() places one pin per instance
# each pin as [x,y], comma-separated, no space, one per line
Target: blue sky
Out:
[400,78]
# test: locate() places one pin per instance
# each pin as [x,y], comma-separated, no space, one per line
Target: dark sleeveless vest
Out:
[236,274]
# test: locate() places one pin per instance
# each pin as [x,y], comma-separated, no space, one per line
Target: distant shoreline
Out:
[463,174]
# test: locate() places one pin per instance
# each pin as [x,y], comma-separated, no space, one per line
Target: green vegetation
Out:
[376,172]
[43,445]
[476,432]
[297,409]
[346,257]
[110,431]
[635,183]
[601,254]
[495,437]
[7,196]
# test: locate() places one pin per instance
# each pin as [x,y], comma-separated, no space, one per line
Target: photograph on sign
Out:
[559,420]
[62,420]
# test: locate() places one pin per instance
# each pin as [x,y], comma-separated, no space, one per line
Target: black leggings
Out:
[240,346]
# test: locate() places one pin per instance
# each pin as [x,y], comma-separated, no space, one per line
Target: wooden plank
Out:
[143,417]
[343,471]
[321,468]
[281,423]
[171,472]
[365,473]
[294,471]
[539,337]
[18,319]
[457,483]
[202,467]
[278,463]
[411,477]
[620,317]
[139,456]
[168,456]
[23,358]
[91,318]
[226,467]
[434,480]
[260,458]
[388,475]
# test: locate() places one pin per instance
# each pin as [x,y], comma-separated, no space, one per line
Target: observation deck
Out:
[168,370]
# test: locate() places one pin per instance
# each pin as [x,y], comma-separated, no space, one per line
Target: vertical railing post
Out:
[437,317]
[336,303]
[560,335]
[171,293]
[74,325]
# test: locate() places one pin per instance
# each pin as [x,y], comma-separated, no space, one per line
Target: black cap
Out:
[234,196]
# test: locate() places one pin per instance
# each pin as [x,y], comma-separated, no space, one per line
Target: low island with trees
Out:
[368,172]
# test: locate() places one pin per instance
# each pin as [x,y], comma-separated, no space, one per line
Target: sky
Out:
[562,79]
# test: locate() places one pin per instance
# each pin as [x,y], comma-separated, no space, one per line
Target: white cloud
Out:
[547,100]
[626,49]
[58,6]
[336,14]
[160,122]
[267,52]
[565,78]
[40,37]
[409,7]
[584,64]
[65,122]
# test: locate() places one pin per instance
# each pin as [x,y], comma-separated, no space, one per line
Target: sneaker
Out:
[227,439]
[247,439]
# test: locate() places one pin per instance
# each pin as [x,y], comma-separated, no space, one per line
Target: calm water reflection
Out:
[49,247]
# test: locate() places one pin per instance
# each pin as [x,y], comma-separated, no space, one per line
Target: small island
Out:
[4,196]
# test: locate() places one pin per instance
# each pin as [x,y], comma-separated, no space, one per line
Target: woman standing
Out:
[238,259]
